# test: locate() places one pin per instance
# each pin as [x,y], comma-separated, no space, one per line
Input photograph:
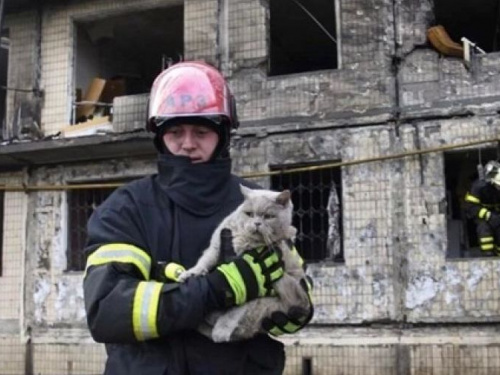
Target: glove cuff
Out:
[223,293]
[250,278]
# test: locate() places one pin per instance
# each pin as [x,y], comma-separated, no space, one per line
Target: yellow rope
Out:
[27,188]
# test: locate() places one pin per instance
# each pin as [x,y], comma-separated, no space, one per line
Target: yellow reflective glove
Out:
[249,276]
[296,318]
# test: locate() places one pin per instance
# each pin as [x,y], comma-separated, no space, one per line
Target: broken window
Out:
[122,55]
[462,168]
[302,36]
[4,66]
[478,21]
[316,196]
[81,204]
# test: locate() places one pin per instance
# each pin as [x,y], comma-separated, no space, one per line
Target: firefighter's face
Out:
[197,142]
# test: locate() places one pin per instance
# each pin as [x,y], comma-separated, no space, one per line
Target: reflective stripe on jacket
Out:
[482,200]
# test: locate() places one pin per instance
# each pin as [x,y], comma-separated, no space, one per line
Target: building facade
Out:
[347,103]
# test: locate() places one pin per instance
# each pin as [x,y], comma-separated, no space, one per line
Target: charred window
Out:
[462,169]
[4,66]
[478,21]
[81,204]
[317,200]
[122,55]
[302,36]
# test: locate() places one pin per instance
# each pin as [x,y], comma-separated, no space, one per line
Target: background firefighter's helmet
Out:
[192,92]
[492,172]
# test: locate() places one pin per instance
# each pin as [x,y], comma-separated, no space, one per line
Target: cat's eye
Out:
[269,216]
[249,213]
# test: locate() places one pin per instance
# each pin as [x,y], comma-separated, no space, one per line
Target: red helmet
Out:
[191,89]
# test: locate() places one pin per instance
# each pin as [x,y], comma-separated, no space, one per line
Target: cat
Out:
[264,218]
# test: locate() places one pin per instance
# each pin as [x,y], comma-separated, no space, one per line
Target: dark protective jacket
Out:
[482,200]
[149,327]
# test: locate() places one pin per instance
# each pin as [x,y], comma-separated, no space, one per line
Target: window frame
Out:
[97,80]
[301,7]
[456,220]
[318,214]
[75,257]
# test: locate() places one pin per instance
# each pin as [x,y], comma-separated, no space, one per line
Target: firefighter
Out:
[482,204]
[152,227]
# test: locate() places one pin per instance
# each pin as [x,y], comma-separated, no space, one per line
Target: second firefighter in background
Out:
[482,204]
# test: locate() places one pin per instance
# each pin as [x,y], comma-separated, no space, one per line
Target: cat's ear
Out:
[245,191]
[283,198]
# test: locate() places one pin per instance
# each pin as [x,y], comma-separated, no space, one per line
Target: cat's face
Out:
[266,215]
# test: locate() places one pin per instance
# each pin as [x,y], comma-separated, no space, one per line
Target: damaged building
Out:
[376,114]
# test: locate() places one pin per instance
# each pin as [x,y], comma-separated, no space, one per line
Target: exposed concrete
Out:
[9,326]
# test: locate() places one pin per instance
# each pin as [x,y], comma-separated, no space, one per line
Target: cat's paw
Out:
[237,334]
[185,275]
[195,271]
[182,277]
[219,335]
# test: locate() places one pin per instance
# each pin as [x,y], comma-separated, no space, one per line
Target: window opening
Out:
[478,21]
[302,36]
[81,204]
[461,170]
[307,368]
[316,196]
[122,55]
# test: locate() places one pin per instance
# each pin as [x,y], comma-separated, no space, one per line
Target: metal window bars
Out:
[316,195]
[81,204]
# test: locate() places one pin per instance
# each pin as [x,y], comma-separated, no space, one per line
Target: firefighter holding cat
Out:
[133,304]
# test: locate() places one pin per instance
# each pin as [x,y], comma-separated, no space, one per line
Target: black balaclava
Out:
[200,188]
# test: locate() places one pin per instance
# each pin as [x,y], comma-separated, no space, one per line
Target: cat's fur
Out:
[264,217]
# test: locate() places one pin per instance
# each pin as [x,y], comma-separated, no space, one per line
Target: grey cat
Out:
[264,218]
